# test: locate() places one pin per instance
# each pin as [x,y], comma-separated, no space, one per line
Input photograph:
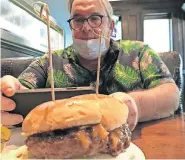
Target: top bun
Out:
[76,111]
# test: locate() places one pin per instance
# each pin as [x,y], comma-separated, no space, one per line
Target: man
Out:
[130,71]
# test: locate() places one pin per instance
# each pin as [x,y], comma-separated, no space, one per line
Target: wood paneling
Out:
[133,6]
[140,1]
[140,26]
[121,6]
[132,29]
[132,25]
[183,35]
[178,25]
[133,12]
[178,20]
[125,26]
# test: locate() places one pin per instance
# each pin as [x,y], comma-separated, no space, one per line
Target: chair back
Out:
[14,66]
[174,63]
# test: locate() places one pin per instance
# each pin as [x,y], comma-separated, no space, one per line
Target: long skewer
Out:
[98,68]
[46,7]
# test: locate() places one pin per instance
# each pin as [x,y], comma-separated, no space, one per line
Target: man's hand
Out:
[133,110]
[9,85]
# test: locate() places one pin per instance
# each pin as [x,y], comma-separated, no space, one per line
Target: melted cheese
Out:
[83,138]
[118,132]
[114,139]
[97,130]
[100,131]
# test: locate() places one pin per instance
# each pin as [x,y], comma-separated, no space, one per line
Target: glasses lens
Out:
[94,21]
[77,23]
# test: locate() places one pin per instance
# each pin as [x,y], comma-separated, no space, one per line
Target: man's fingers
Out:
[8,85]
[121,96]
[7,104]
[8,119]
[132,123]
[133,111]
[133,115]
[9,90]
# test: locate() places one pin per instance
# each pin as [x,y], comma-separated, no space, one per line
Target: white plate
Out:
[131,153]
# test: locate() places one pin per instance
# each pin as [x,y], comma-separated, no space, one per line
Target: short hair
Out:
[105,3]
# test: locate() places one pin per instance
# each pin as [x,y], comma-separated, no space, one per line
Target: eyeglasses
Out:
[77,23]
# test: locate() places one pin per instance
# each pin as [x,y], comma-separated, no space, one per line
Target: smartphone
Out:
[26,100]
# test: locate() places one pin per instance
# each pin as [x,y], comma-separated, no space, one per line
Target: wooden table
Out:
[161,139]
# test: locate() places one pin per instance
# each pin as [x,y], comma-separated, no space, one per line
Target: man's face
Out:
[84,9]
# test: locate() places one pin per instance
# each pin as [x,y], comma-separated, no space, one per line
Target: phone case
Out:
[26,100]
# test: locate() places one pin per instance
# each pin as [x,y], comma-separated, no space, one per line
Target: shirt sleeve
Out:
[152,69]
[35,75]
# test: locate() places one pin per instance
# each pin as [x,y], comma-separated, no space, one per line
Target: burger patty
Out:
[79,141]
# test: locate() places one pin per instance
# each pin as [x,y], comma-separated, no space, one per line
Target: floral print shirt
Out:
[128,66]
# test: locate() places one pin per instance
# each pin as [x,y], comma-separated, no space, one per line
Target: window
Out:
[117,31]
[157,32]
[20,23]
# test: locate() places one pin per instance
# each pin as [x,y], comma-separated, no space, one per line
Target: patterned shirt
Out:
[128,66]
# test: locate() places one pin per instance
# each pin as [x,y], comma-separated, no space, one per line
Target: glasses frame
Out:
[85,19]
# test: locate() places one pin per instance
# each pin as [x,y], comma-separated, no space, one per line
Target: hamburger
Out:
[77,127]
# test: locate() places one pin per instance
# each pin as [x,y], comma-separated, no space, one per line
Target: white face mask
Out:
[89,49]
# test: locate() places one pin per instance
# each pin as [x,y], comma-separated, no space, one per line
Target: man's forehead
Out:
[87,7]
[86,2]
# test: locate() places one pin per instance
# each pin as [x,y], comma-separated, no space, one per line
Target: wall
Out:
[133,11]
